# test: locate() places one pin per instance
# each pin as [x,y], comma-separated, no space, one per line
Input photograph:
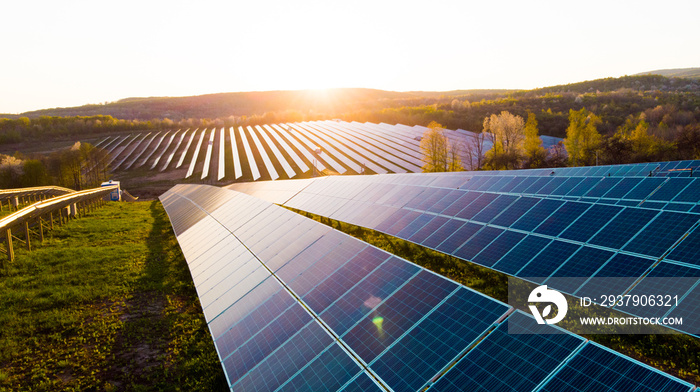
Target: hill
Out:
[688,73]
[335,102]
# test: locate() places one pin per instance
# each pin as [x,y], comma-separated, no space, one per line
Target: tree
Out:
[506,132]
[475,150]
[535,153]
[582,137]
[439,154]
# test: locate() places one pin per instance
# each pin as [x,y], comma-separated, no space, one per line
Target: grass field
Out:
[106,303]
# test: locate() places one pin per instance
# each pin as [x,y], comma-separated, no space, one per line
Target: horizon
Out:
[80,53]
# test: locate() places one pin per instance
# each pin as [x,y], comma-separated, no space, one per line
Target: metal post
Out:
[26,235]
[8,241]
[41,229]
[51,219]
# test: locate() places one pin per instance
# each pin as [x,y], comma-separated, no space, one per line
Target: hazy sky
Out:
[69,53]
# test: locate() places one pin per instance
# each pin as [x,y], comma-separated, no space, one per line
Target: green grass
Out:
[105,303]
[676,354]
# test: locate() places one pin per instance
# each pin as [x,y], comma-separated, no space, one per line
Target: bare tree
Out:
[475,150]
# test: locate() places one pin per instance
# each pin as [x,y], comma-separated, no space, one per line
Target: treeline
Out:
[79,167]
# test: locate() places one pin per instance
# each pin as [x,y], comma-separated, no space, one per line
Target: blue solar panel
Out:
[445,231]
[283,363]
[476,206]
[688,251]
[691,193]
[509,362]
[357,302]
[662,233]
[499,247]
[422,203]
[653,287]
[549,187]
[445,202]
[626,269]
[547,261]
[537,214]
[561,219]
[584,186]
[459,237]
[463,201]
[399,313]
[335,285]
[567,186]
[362,384]
[327,372]
[644,188]
[602,187]
[622,188]
[521,254]
[477,242]
[689,311]
[537,185]
[578,268]
[595,368]
[670,189]
[515,211]
[496,207]
[500,184]
[512,184]
[414,226]
[401,222]
[438,339]
[268,339]
[426,231]
[524,184]
[623,227]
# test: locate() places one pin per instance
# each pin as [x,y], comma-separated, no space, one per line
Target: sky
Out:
[71,53]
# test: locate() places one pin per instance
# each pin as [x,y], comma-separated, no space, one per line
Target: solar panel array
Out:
[294,305]
[285,151]
[539,226]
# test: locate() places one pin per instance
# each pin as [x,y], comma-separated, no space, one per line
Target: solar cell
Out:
[626,269]
[510,362]
[651,285]
[537,214]
[458,237]
[576,270]
[564,216]
[664,231]
[515,211]
[623,227]
[690,194]
[644,188]
[521,254]
[547,261]
[688,251]
[596,368]
[494,208]
[622,188]
[491,254]
[477,242]
[602,187]
[437,340]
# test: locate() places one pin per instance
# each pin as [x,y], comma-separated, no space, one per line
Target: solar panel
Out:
[510,362]
[664,231]
[207,155]
[596,368]
[263,154]
[623,227]
[276,152]
[249,154]
[186,149]
[287,148]
[193,162]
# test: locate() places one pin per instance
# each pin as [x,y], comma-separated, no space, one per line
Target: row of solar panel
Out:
[654,169]
[270,151]
[535,238]
[294,305]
